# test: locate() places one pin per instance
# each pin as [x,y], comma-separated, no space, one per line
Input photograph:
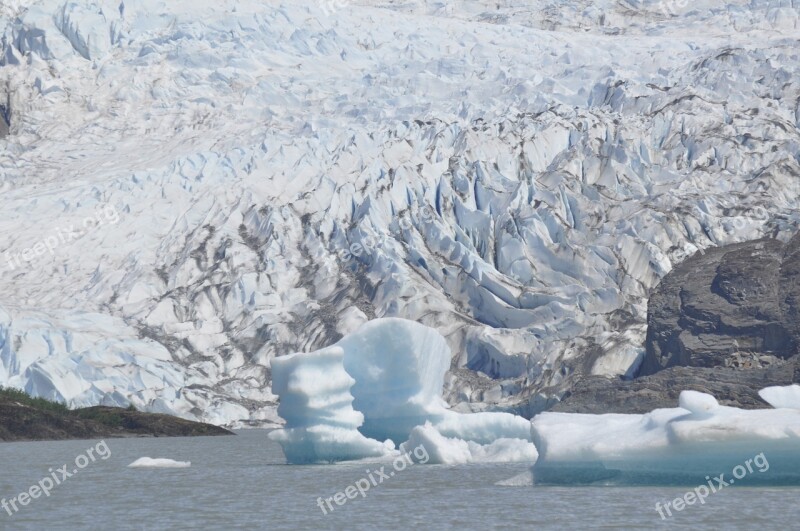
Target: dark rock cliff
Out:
[4,121]
[723,322]
[733,306]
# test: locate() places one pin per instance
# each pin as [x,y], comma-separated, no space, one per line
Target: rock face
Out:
[723,322]
[734,306]
[732,387]
[4,121]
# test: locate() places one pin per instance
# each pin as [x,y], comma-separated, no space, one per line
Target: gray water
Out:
[242,483]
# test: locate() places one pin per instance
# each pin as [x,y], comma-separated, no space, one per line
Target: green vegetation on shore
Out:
[26,418]
[25,399]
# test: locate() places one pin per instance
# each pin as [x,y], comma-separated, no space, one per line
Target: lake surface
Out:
[242,483]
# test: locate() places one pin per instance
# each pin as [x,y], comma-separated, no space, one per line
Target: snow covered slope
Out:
[191,188]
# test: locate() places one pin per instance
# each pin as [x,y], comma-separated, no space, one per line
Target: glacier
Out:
[515,176]
[380,384]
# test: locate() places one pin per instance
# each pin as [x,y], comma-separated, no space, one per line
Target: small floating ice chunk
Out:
[147,462]
[697,402]
[520,480]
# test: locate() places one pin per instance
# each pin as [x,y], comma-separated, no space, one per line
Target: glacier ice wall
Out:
[516,177]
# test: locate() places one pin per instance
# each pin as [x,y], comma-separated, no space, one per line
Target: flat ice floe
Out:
[148,462]
[443,450]
[671,446]
[381,384]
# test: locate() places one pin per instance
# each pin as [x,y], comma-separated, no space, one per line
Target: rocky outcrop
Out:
[723,322]
[733,387]
[4,121]
[26,419]
[734,306]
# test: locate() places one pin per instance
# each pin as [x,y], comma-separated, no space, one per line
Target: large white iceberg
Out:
[679,445]
[380,384]
[321,424]
[398,367]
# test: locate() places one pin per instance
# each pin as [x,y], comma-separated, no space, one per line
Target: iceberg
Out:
[683,445]
[453,451]
[321,424]
[524,479]
[398,368]
[380,384]
[383,384]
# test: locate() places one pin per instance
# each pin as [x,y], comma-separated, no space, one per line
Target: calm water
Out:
[242,483]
